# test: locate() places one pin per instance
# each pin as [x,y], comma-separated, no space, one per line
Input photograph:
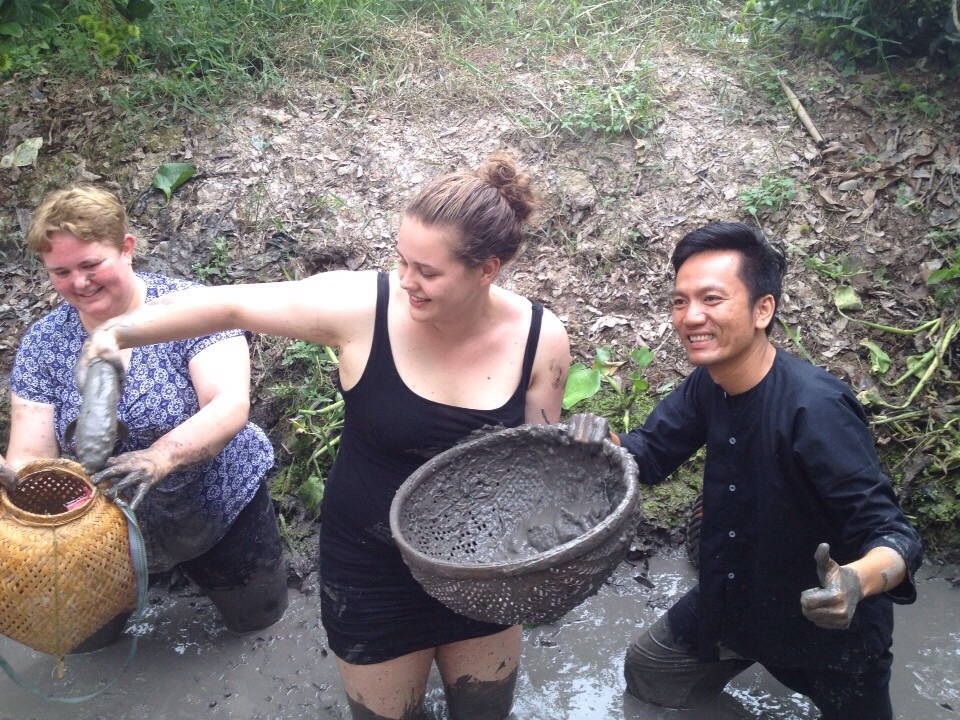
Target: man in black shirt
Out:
[803,545]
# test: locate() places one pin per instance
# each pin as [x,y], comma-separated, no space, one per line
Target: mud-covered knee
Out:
[258,605]
[658,672]
[646,685]
[470,699]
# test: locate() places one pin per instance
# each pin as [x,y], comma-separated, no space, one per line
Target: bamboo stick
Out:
[801,113]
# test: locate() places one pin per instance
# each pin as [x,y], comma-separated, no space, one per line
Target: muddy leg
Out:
[389,690]
[257,605]
[844,696]
[359,711]
[469,699]
[480,674]
[245,574]
[663,670]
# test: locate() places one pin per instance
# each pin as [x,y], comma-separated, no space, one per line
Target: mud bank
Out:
[188,665]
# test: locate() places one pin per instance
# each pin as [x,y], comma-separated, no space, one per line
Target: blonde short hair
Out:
[85,211]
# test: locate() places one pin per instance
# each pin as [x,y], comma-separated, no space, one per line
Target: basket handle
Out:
[138,555]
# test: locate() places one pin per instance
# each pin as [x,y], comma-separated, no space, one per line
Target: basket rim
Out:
[38,519]
[588,541]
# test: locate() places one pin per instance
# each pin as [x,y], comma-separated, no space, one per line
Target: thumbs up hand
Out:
[833,604]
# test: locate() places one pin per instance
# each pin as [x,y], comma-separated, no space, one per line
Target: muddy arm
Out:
[221,376]
[323,309]
[880,570]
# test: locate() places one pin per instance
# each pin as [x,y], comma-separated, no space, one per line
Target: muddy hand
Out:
[588,429]
[101,345]
[833,604]
[8,478]
[132,470]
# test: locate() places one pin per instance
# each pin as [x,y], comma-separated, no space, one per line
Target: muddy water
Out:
[189,666]
[573,669]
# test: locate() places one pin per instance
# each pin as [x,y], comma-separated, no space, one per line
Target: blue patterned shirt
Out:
[185,514]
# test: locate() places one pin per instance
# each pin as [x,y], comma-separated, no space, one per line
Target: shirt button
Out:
[733,441]
[732,533]
[731,576]
[733,488]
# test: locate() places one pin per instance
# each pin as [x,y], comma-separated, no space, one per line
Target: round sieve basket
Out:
[66,567]
[517,526]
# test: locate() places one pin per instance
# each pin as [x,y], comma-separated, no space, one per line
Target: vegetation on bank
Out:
[154,63]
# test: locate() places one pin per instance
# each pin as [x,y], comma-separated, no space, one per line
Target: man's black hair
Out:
[762,266]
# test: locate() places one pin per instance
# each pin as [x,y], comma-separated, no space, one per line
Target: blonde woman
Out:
[184,403]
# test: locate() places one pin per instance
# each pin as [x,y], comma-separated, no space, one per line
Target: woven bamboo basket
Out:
[518,526]
[66,567]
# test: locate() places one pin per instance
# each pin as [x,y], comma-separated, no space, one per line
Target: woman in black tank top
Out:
[428,354]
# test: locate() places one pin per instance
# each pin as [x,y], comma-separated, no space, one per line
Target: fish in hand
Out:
[95,431]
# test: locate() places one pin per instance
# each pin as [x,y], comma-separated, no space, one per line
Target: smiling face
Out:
[96,278]
[717,324]
[439,285]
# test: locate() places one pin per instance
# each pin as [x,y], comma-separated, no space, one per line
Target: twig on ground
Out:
[801,112]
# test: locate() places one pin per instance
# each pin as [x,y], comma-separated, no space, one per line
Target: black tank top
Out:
[389,431]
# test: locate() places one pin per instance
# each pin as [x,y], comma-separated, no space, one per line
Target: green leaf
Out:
[14,30]
[947,273]
[582,383]
[846,298]
[18,11]
[641,356]
[602,355]
[918,364]
[879,360]
[170,176]
[871,397]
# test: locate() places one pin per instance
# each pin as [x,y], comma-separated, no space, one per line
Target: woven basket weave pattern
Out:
[518,526]
[65,573]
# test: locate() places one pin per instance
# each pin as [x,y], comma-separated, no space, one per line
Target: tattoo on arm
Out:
[886,581]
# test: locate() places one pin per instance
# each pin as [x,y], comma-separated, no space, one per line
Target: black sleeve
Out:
[671,434]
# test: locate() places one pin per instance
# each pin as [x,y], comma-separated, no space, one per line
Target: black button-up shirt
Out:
[789,464]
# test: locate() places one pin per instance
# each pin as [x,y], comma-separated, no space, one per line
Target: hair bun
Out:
[516,187]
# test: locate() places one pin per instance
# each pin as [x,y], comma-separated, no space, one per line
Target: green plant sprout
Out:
[618,107]
[584,382]
[794,337]
[215,265]
[773,192]
[922,366]
[838,268]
